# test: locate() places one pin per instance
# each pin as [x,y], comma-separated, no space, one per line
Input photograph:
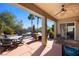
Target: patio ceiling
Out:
[50,10]
[53,8]
[32,8]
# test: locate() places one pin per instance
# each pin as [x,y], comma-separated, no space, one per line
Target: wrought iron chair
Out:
[20,40]
[5,42]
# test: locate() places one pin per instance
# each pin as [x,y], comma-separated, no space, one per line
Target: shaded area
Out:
[56,50]
[72,43]
[2,50]
[38,51]
[5,49]
[22,50]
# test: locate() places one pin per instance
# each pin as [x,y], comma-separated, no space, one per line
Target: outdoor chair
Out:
[59,39]
[20,40]
[5,42]
[39,38]
[70,51]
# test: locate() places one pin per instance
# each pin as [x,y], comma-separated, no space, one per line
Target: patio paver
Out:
[36,49]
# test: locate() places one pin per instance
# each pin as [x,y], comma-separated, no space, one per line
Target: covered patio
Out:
[62,14]
[35,10]
[55,13]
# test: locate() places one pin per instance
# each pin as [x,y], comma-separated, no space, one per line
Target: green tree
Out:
[40,29]
[0,24]
[0,27]
[18,27]
[8,19]
[8,23]
[8,30]
[50,32]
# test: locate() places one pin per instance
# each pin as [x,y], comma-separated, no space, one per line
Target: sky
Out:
[21,15]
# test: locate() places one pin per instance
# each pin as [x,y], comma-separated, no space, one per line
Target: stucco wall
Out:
[69,20]
[77,30]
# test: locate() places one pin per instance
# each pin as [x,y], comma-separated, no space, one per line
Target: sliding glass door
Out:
[63,29]
[67,30]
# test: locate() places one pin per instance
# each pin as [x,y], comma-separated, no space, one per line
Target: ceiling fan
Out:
[62,9]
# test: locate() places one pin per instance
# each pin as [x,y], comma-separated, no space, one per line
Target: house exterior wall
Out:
[77,30]
[70,20]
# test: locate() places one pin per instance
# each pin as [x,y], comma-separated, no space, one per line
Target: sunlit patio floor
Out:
[35,48]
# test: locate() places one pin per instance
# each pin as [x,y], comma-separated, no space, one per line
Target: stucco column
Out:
[44,31]
[55,29]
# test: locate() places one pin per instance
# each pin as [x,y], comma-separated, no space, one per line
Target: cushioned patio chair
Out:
[70,51]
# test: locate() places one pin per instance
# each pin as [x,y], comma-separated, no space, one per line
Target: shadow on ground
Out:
[56,50]
[30,42]
[9,49]
[38,51]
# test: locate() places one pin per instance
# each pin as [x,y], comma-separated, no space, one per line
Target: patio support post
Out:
[44,31]
[55,29]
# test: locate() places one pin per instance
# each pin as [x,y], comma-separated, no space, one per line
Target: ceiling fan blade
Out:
[62,9]
[58,13]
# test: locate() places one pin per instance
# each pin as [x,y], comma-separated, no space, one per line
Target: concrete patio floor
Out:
[35,48]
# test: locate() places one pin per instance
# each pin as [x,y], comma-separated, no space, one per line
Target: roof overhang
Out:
[32,8]
[49,10]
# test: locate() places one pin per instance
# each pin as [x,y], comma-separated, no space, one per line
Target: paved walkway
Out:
[35,48]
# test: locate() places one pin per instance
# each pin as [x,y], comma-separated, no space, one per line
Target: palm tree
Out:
[31,18]
[37,22]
